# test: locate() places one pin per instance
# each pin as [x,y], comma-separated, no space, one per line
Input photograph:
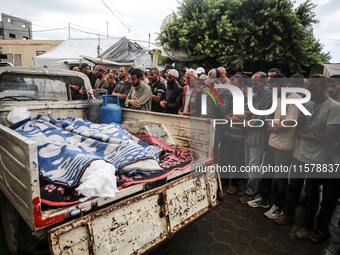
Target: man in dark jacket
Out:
[158,90]
[85,68]
[173,99]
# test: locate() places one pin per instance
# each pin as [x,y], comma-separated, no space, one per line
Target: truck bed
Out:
[22,184]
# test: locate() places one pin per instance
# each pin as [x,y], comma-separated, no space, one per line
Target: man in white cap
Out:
[173,95]
[200,71]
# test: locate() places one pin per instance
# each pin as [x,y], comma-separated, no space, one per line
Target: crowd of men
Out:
[313,142]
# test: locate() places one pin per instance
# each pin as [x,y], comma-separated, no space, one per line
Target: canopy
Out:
[68,53]
[327,69]
[127,51]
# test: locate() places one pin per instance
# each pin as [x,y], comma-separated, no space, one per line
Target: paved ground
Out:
[235,228]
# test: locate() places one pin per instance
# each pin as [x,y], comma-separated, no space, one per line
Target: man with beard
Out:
[173,99]
[158,90]
[140,95]
[315,146]
[101,82]
[123,87]
[333,87]
[189,94]
[85,68]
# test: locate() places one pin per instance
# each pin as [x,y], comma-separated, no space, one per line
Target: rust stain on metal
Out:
[196,194]
[90,238]
[207,185]
[166,212]
[193,217]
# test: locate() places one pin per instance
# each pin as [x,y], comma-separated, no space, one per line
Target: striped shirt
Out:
[214,111]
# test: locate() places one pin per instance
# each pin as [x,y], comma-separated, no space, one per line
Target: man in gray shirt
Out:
[123,87]
[316,145]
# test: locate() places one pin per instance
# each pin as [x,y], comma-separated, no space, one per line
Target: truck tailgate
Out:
[136,224]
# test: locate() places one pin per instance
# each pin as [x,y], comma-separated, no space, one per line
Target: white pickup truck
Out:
[137,219]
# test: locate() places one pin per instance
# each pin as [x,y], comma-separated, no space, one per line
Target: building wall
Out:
[14,28]
[21,52]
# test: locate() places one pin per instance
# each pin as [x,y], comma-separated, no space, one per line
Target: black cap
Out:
[83,65]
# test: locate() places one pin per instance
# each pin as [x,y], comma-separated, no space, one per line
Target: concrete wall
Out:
[15,28]
[21,52]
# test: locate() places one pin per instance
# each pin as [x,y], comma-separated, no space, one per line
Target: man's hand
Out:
[234,118]
[162,104]
[82,91]
[272,128]
[75,87]
[134,103]
[122,96]
[311,136]
[184,113]
[155,98]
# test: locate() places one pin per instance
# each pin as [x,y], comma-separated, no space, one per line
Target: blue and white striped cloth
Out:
[66,147]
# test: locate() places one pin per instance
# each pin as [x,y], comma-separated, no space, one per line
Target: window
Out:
[25,37]
[9,20]
[28,88]
[17,59]
[39,52]
[12,35]
[23,25]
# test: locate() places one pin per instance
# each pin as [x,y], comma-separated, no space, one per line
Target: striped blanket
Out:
[66,148]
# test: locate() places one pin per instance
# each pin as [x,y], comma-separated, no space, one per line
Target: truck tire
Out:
[17,234]
[10,223]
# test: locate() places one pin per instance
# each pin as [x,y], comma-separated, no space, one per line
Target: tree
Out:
[162,60]
[246,34]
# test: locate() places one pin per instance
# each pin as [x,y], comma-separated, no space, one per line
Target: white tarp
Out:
[68,52]
[327,69]
[331,69]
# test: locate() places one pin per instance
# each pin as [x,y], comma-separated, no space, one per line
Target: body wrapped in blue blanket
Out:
[67,147]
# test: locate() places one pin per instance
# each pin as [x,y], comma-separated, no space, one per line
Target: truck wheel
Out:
[10,221]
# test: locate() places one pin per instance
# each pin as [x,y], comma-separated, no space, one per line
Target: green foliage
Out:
[249,34]
[162,60]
